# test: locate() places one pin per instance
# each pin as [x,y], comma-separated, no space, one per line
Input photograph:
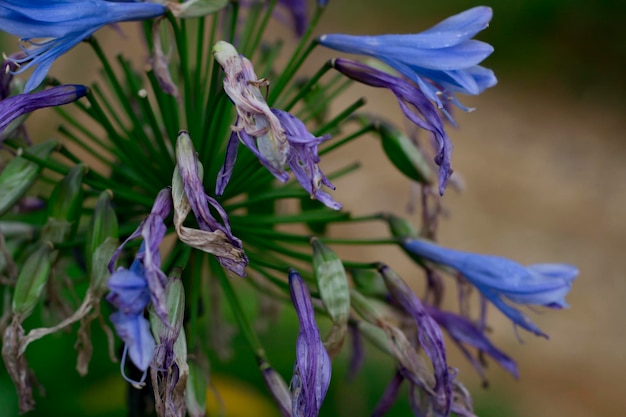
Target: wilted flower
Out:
[274,136]
[311,373]
[130,295]
[414,104]
[212,237]
[152,230]
[498,278]
[50,28]
[441,60]
[463,332]
[255,118]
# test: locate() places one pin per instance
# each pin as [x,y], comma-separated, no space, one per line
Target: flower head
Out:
[50,28]
[414,104]
[441,60]
[311,374]
[499,278]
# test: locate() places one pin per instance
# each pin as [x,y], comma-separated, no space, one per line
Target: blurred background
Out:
[543,162]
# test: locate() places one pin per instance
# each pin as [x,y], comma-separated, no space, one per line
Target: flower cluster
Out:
[200,217]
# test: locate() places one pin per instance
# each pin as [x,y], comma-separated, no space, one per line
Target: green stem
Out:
[232,298]
[307,87]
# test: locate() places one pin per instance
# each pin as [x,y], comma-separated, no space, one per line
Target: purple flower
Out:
[15,106]
[130,295]
[152,230]
[219,240]
[414,104]
[311,374]
[430,336]
[303,158]
[464,332]
[274,136]
[500,278]
[441,60]
[299,14]
[50,28]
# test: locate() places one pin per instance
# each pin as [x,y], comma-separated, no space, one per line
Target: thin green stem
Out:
[307,87]
[233,300]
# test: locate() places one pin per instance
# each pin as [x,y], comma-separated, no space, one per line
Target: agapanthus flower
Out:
[130,295]
[299,14]
[312,369]
[50,28]
[277,138]
[213,237]
[414,104]
[463,332]
[152,230]
[430,337]
[15,106]
[499,278]
[441,60]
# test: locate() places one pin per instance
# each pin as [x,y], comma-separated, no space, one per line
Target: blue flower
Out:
[311,374]
[50,28]
[299,14]
[130,295]
[500,278]
[414,104]
[441,60]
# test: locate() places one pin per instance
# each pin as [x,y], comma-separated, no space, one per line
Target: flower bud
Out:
[404,155]
[19,174]
[369,282]
[196,8]
[332,281]
[31,281]
[103,226]
[196,391]
[64,206]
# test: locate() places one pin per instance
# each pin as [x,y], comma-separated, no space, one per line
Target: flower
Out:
[430,337]
[311,374]
[130,295]
[441,60]
[152,230]
[463,332]
[275,137]
[414,104]
[255,117]
[18,105]
[299,14]
[498,278]
[50,28]
[189,195]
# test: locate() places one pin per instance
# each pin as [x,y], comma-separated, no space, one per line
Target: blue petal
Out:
[134,330]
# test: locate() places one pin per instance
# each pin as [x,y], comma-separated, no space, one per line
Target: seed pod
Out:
[404,155]
[67,197]
[332,282]
[20,173]
[31,281]
[196,392]
[103,226]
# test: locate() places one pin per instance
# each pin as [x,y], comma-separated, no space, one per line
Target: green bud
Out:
[20,173]
[67,197]
[196,391]
[369,282]
[365,307]
[196,8]
[99,261]
[103,226]
[332,282]
[403,153]
[400,227]
[175,304]
[31,281]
